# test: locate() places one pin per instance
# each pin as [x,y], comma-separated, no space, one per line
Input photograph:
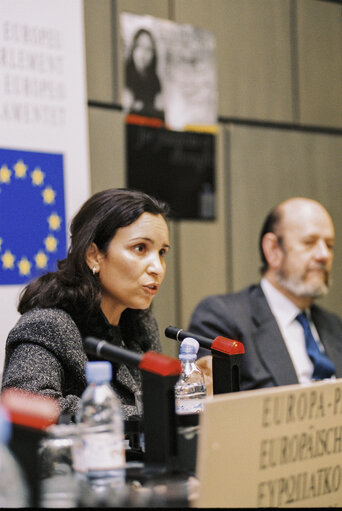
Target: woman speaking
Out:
[104,289]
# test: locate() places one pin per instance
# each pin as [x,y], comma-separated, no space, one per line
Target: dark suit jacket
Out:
[246,317]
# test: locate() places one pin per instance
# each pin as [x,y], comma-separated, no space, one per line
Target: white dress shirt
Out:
[285,313]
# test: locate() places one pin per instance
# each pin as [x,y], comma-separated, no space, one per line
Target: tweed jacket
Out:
[45,355]
[247,317]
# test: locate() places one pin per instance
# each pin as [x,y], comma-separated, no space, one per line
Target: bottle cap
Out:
[99,372]
[5,427]
[188,349]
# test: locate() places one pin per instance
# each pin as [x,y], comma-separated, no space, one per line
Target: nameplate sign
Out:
[278,447]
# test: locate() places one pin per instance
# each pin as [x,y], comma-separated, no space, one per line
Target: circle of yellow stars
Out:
[54,220]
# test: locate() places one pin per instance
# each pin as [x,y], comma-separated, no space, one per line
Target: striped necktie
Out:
[323,367]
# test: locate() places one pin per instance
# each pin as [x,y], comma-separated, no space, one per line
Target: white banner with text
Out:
[44,169]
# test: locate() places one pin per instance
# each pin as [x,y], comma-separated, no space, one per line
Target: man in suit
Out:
[296,247]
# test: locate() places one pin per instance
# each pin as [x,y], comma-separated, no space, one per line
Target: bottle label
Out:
[100,451]
[186,406]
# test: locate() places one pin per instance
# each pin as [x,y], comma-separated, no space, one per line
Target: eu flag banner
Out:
[32,214]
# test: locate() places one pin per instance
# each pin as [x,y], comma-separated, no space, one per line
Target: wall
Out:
[280,131]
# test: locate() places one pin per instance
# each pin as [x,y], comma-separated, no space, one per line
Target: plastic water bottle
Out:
[13,488]
[101,460]
[58,485]
[190,390]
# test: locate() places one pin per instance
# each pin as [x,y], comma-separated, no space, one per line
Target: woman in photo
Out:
[143,93]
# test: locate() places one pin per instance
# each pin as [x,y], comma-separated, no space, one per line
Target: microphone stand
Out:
[226,353]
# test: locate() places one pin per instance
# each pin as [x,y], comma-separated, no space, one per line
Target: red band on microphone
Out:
[160,364]
[31,410]
[140,120]
[228,346]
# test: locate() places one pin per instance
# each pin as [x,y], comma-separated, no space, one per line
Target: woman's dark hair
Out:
[153,64]
[73,287]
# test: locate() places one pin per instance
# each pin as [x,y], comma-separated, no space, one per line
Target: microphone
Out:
[226,355]
[179,334]
[150,361]
[107,351]
[222,344]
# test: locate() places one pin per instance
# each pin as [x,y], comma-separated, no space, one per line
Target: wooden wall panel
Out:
[253,54]
[268,166]
[203,258]
[107,154]
[157,8]
[320,62]
[99,49]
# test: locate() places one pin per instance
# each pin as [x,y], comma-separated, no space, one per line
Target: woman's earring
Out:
[95,270]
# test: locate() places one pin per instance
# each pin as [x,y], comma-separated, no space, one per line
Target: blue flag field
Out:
[32,214]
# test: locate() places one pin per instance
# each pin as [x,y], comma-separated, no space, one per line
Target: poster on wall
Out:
[169,71]
[177,167]
[44,173]
[170,97]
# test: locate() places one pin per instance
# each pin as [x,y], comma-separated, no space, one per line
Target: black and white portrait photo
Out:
[169,71]
[143,90]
